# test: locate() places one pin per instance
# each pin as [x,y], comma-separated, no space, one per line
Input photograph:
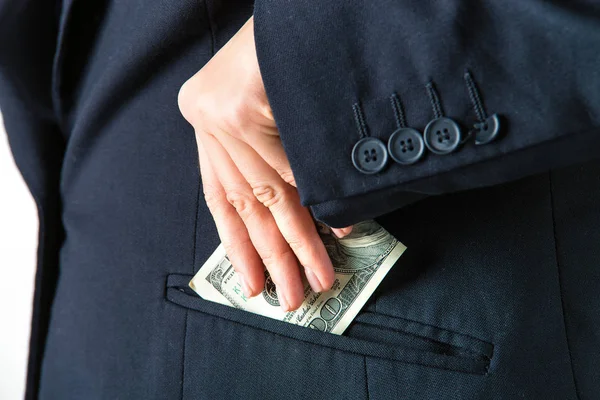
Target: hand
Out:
[247,180]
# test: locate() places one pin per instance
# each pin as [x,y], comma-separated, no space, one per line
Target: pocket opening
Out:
[428,353]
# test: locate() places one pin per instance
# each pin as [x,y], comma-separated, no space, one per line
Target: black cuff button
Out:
[488,130]
[406,146]
[442,136]
[369,155]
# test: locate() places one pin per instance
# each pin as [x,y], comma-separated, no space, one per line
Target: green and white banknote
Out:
[360,260]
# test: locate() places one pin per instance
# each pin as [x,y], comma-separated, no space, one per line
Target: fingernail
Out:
[342,232]
[313,280]
[245,288]
[338,233]
[285,306]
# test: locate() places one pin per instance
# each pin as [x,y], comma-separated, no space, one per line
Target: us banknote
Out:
[360,261]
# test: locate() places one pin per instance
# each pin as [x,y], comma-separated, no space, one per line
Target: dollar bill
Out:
[360,260]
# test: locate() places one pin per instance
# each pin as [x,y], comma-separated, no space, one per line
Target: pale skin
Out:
[247,179]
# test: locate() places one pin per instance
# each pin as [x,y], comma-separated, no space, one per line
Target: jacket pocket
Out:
[370,334]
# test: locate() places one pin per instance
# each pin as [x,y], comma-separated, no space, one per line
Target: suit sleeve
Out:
[380,103]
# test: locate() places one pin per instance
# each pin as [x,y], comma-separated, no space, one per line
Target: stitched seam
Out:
[366,378]
[57,60]
[470,353]
[434,327]
[183,357]
[210,28]
[193,263]
[562,303]
[476,371]
[194,251]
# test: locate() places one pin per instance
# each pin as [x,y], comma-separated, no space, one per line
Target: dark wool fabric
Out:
[496,296]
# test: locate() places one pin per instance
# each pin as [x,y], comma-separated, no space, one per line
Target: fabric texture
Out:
[535,64]
[495,297]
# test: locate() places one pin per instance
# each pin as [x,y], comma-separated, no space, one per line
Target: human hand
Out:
[247,179]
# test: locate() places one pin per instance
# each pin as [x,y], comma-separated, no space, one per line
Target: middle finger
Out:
[276,254]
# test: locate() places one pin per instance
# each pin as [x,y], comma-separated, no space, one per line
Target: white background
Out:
[18,247]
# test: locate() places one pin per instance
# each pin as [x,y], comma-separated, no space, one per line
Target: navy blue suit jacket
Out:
[496,194]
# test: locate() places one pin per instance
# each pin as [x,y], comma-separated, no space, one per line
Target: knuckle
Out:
[288,177]
[193,103]
[268,258]
[234,248]
[203,107]
[228,247]
[235,120]
[308,251]
[273,260]
[268,195]
[266,111]
[184,99]
[243,202]
[230,250]
[298,245]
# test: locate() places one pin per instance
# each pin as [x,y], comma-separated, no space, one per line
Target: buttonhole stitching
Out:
[475,97]
[398,111]
[360,121]
[434,99]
